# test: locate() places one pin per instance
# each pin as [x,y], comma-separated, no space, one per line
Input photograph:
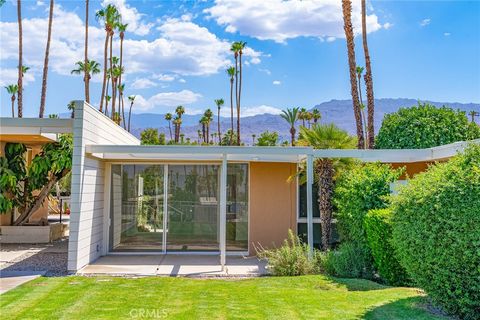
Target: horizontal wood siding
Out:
[87,216]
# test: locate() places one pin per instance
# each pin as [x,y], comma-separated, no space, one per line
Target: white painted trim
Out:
[223,210]
[37,126]
[309,203]
[165,208]
[107,207]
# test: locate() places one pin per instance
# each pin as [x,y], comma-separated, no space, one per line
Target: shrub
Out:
[436,232]
[267,139]
[358,190]
[379,233]
[424,126]
[350,260]
[291,259]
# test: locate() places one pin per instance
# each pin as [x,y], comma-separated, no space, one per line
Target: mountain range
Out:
[337,111]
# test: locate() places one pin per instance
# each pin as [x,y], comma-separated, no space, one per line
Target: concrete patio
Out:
[175,265]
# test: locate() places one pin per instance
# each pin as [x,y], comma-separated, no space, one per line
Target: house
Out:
[133,199]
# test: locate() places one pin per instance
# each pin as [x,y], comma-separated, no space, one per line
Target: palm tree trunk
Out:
[170,128]
[114,95]
[120,76]
[86,71]
[130,115]
[13,106]
[368,82]
[236,94]
[325,174]
[105,55]
[123,110]
[347,19]
[111,73]
[218,127]
[239,96]
[362,110]
[45,63]
[231,110]
[292,135]
[20,58]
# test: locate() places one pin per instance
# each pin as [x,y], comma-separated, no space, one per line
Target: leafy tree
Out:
[18,183]
[326,136]
[424,126]
[267,139]
[12,90]
[71,107]
[150,136]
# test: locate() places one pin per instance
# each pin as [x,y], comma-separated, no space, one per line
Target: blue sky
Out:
[177,52]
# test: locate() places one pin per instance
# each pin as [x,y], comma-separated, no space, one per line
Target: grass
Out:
[308,297]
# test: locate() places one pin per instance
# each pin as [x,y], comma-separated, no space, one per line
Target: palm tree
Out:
[168,117]
[13,90]
[219,103]
[359,71]
[71,107]
[241,45]
[253,139]
[347,20]
[121,29]
[209,116]
[325,136]
[132,100]
[302,115]
[86,79]
[472,115]
[316,116]
[231,71]
[90,68]
[235,49]
[45,63]
[180,110]
[20,59]
[110,17]
[368,83]
[291,116]
[203,121]
[116,74]
[121,101]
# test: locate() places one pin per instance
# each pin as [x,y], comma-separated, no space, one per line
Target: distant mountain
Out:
[336,111]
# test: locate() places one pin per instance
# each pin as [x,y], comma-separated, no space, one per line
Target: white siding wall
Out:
[88,201]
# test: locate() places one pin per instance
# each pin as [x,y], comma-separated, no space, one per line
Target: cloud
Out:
[164,77]
[182,80]
[143,83]
[279,20]
[446,34]
[166,99]
[387,25]
[266,71]
[131,16]
[425,22]
[277,82]
[10,76]
[252,111]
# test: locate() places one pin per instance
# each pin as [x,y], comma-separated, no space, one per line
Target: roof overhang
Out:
[33,130]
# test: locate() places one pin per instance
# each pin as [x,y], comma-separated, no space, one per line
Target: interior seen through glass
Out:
[192,220]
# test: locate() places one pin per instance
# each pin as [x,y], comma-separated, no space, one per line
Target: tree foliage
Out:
[267,139]
[436,233]
[425,126]
[150,136]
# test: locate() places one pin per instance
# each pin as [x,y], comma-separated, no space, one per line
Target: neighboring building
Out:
[129,199]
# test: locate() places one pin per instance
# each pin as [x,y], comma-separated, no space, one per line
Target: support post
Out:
[165,208]
[309,203]
[223,210]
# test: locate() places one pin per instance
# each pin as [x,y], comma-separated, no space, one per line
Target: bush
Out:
[358,190]
[291,259]
[436,232]
[424,126]
[379,234]
[350,260]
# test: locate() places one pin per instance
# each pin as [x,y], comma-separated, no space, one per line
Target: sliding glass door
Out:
[193,212]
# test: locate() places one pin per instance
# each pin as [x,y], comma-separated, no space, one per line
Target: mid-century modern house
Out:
[129,198]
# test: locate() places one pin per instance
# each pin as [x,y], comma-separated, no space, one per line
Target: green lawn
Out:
[309,297]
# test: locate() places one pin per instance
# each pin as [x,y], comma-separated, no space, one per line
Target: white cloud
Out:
[277,82]
[387,25]
[425,22]
[40,3]
[268,72]
[279,20]
[253,111]
[166,99]
[446,34]
[131,16]
[182,80]
[10,76]
[164,77]
[143,83]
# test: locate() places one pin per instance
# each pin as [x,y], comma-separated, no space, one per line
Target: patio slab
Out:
[12,279]
[175,265]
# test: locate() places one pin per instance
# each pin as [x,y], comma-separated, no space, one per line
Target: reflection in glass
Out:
[237,207]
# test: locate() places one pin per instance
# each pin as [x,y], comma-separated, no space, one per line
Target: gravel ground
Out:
[51,258]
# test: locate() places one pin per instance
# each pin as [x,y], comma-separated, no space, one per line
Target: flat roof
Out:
[33,130]
[132,153]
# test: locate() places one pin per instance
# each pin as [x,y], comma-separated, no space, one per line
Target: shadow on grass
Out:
[355,284]
[414,308]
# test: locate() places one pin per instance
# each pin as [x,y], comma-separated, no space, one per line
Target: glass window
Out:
[302,201]
[237,207]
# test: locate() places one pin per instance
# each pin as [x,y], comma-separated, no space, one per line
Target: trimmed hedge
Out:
[379,234]
[436,232]
[424,126]
[358,190]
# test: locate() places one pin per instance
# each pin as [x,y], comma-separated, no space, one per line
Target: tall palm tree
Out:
[241,45]
[325,136]
[180,110]
[110,17]
[12,89]
[86,79]
[368,83]
[121,29]
[209,117]
[168,117]
[71,107]
[20,60]
[90,68]
[231,71]
[316,116]
[473,114]
[219,103]
[359,71]
[116,73]
[121,102]
[347,20]
[203,121]
[43,95]
[291,116]
[132,100]
[302,115]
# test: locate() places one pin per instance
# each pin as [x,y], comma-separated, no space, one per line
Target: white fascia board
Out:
[37,126]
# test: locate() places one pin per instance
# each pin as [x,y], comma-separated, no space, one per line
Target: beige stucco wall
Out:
[272,203]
